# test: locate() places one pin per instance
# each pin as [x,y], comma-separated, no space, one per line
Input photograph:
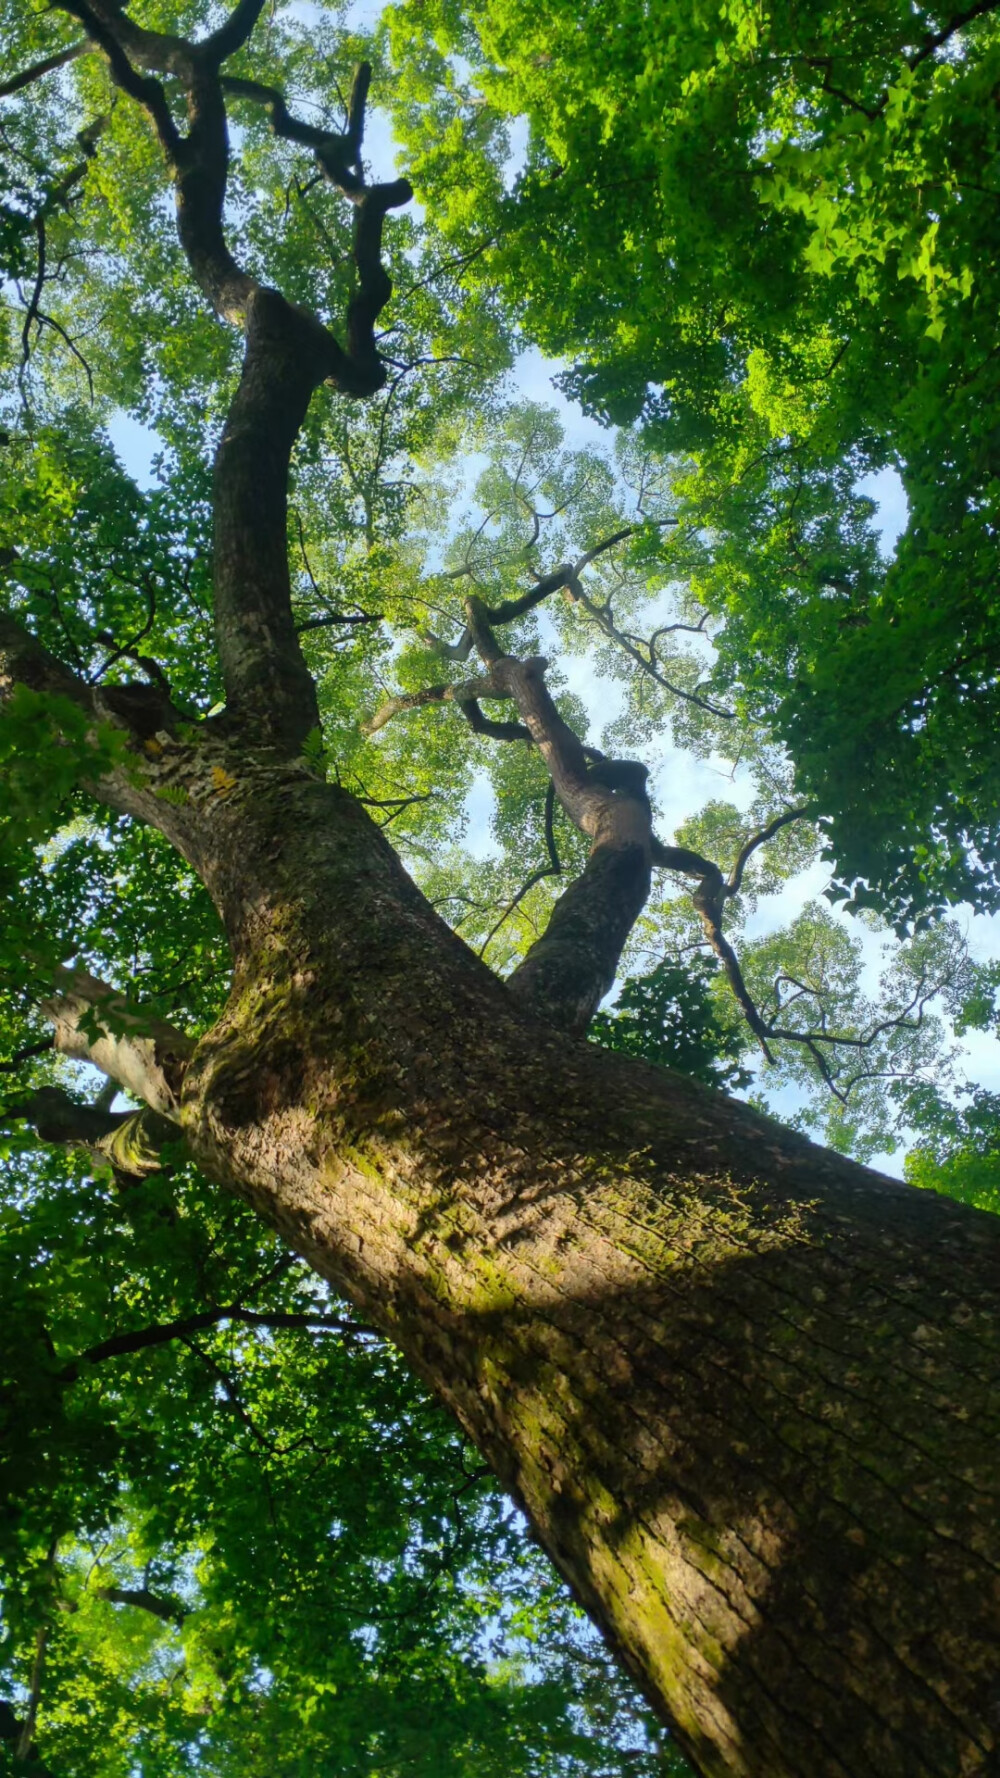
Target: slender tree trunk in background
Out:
[746,1391]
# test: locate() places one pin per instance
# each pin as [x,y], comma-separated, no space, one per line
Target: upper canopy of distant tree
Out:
[770,233]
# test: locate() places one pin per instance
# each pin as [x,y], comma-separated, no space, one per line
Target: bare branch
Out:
[563,576]
[111,31]
[601,615]
[339,158]
[710,899]
[495,731]
[45,320]
[552,869]
[567,576]
[339,617]
[32,313]
[465,693]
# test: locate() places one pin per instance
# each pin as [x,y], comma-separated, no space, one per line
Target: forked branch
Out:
[289,352]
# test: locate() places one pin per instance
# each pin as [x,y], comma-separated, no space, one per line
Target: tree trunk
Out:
[741,1387]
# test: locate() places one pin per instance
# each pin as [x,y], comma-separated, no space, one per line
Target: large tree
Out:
[769,232]
[744,1389]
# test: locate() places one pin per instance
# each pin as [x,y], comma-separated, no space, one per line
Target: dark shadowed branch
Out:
[289,353]
[132,1143]
[143,1054]
[168,1609]
[162,1333]
[27,77]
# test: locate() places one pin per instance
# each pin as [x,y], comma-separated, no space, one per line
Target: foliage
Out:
[669,1017]
[768,234]
[959,1150]
[243,1539]
[253,1544]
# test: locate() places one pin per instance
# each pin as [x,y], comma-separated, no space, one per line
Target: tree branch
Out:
[485,725]
[338,156]
[938,39]
[27,1053]
[710,899]
[563,576]
[169,1610]
[140,711]
[602,617]
[567,576]
[145,1055]
[223,43]
[161,1333]
[288,354]
[465,693]
[760,839]
[131,1142]
[110,30]
[26,661]
[572,965]
[38,70]
[552,869]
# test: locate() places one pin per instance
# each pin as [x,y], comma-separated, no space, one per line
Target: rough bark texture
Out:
[746,1391]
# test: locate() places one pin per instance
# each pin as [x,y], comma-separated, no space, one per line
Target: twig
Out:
[552,869]
[160,1334]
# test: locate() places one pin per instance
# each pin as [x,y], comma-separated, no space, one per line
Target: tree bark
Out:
[745,1390]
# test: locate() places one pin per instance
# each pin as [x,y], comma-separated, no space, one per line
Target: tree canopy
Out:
[769,234]
[237,1535]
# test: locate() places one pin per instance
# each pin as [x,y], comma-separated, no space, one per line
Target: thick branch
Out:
[338,156]
[26,661]
[231,36]
[264,671]
[567,972]
[465,694]
[131,1142]
[168,1609]
[143,1054]
[485,725]
[289,352]
[125,44]
[27,1053]
[140,711]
